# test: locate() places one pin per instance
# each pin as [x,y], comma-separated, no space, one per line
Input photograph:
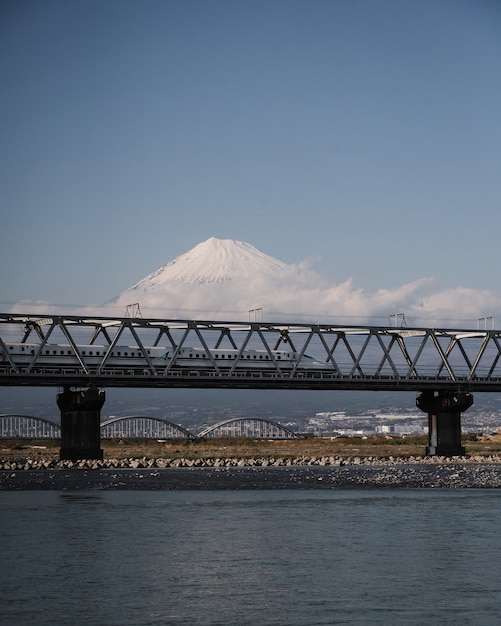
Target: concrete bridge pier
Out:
[80,423]
[444,421]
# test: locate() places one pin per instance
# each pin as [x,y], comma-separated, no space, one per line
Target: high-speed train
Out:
[133,356]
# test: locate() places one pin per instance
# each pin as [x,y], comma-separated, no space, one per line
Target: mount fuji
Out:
[216,277]
[224,279]
[212,261]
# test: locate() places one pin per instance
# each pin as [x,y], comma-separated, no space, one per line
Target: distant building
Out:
[399,429]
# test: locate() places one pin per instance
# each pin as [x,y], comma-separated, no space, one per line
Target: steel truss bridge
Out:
[144,427]
[79,351]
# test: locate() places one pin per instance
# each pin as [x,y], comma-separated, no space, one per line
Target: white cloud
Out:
[297,294]
[305,296]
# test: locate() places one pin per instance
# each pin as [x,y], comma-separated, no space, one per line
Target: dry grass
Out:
[247,448]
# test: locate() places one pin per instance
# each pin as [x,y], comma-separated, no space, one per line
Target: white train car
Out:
[133,356]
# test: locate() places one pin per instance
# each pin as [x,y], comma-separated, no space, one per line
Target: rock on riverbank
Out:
[217,462]
[254,473]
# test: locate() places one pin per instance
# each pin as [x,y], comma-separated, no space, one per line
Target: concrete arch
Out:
[256,428]
[15,426]
[143,426]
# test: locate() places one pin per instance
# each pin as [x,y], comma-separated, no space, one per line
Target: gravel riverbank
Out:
[253,473]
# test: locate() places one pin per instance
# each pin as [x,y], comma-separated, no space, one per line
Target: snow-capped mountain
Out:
[218,277]
[228,280]
[212,261]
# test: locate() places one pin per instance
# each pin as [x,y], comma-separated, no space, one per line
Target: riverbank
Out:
[399,476]
[251,464]
[241,447]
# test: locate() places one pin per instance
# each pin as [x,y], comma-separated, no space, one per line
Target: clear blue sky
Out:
[363,133]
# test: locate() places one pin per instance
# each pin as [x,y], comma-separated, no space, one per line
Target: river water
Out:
[302,557]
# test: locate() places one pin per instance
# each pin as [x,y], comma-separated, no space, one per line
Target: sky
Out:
[361,137]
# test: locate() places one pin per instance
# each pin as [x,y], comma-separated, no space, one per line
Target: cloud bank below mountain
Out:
[232,280]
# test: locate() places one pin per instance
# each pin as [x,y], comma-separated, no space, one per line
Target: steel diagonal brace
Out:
[32,325]
[72,344]
[386,355]
[398,339]
[481,351]
[97,331]
[206,348]
[350,352]
[494,364]
[459,343]
[447,352]
[443,357]
[413,365]
[177,348]
[301,354]
[7,356]
[356,361]
[403,348]
[329,352]
[143,350]
[270,353]
[225,332]
[285,337]
[110,347]
[164,330]
[268,350]
[41,346]
[240,352]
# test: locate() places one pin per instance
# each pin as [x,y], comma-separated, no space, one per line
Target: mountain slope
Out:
[212,261]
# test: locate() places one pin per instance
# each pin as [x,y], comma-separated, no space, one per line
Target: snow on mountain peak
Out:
[212,261]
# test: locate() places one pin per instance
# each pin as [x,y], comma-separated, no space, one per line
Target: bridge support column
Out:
[444,421]
[80,423]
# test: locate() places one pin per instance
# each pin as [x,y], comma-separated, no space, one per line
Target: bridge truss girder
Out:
[326,356]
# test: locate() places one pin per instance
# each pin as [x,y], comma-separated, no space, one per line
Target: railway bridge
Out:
[83,355]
